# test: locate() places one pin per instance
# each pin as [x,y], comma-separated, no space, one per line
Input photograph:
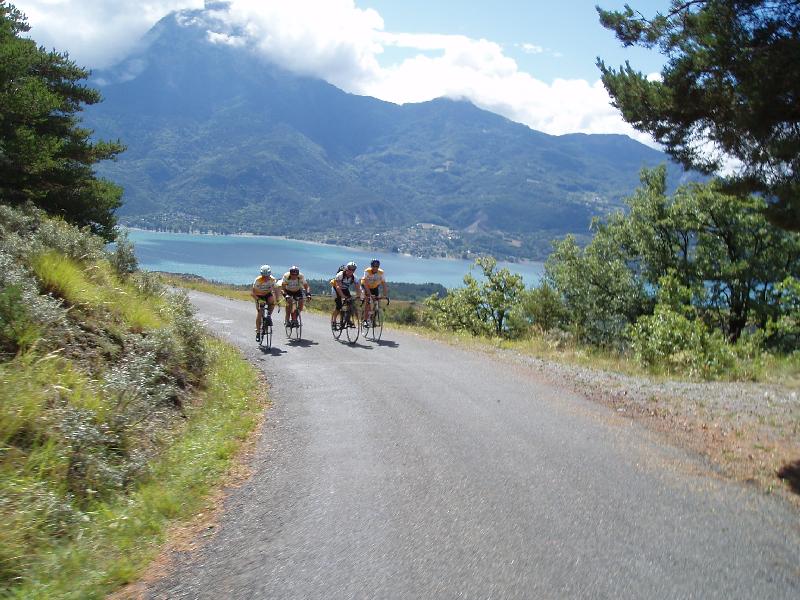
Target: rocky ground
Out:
[747,431]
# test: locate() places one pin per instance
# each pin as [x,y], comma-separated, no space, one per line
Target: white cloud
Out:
[96,33]
[341,43]
[531,48]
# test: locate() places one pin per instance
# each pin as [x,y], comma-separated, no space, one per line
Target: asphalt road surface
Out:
[412,469]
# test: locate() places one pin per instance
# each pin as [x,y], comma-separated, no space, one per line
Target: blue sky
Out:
[564,38]
[532,62]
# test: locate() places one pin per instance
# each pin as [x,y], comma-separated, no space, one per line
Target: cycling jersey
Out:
[293,285]
[264,286]
[344,280]
[372,280]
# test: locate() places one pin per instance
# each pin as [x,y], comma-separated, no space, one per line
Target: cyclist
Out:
[371,283]
[264,290]
[341,289]
[293,285]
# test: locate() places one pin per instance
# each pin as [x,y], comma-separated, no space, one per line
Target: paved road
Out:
[411,469]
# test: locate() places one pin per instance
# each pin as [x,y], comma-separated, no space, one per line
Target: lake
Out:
[236,259]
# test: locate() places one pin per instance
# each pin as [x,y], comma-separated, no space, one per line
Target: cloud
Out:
[96,33]
[531,48]
[341,43]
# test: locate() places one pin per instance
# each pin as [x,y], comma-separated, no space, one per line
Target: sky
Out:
[528,60]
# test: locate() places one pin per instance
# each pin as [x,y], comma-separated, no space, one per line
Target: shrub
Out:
[17,328]
[668,340]
[122,257]
[405,315]
[538,308]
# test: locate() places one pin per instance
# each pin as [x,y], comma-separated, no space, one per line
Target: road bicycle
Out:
[293,324]
[348,322]
[373,327]
[265,335]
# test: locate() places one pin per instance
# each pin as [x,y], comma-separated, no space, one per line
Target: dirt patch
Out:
[748,431]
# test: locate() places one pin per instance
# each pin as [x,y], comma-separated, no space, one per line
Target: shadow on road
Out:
[301,343]
[272,351]
[386,343]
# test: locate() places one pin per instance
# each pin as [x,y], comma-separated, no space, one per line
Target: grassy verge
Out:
[112,541]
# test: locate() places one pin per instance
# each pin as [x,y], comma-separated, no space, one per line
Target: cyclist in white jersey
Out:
[371,283]
[293,285]
[341,285]
[264,290]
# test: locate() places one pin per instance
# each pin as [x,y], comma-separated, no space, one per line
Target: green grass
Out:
[235,292]
[62,553]
[96,288]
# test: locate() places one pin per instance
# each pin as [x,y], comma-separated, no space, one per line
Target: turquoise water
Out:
[236,259]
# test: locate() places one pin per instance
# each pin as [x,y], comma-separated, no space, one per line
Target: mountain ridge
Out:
[219,139]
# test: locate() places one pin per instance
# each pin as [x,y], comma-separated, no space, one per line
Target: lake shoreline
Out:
[363,249]
[235,258]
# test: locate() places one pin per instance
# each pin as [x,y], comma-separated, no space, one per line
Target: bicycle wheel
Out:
[337,327]
[353,327]
[377,324]
[297,330]
[266,336]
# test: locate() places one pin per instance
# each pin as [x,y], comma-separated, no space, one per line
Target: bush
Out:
[668,340]
[122,257]
[405,315]
[539,308]
[17,328]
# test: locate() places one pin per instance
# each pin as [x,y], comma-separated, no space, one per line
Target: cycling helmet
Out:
[266,271]
[352,266]
[375,263]
[294,270]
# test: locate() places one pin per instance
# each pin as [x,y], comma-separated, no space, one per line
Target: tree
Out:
[480,307]
[730,89]
[45,156]
[718,246]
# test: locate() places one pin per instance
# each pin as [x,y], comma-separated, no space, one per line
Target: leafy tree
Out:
[601,293]
[480,308]
[730,88]
[718,247]
[45,156]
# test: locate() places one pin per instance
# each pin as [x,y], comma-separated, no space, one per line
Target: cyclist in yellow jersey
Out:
[293,285]
[264,290]
[371,283]
[341,288]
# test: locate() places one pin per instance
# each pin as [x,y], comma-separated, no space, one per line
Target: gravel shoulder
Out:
[749,432]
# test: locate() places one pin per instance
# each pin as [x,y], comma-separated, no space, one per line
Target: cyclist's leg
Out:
[337,307]
[270,307]
[259,310]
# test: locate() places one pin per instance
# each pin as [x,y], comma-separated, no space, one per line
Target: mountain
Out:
[219,139]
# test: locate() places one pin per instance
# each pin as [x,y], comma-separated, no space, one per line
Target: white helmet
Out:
[266,271]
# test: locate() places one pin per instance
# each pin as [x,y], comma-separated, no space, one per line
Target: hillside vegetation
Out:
[697,284]
[117,414]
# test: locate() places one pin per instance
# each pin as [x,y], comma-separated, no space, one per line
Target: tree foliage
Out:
[480,307]
[730,88]
[721,251]
[45,156]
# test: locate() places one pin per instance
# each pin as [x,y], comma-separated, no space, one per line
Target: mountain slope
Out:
[219,139]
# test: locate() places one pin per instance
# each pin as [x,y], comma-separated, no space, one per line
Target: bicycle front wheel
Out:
[337,327]
[297,330]
[353,328]
[266,336]
[377,325]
